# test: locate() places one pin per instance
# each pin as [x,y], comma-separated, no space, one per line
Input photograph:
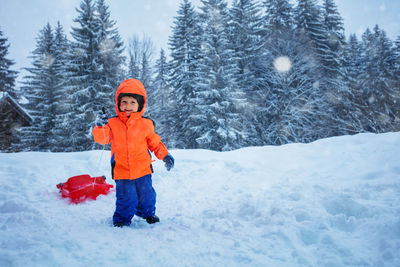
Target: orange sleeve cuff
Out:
[101,134]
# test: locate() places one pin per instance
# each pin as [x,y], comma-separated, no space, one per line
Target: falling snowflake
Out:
[47,61]
[107,46]
[282,64]
[333,39]
[384,118]
[333,98]
[371,99]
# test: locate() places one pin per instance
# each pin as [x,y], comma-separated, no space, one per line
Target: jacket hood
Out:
[130,86]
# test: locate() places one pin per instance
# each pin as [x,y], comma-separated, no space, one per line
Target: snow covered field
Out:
[334,202]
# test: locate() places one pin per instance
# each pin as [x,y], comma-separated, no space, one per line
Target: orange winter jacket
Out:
[131,138]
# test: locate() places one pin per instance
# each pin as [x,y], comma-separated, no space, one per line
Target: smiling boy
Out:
[128,105]
[132,139]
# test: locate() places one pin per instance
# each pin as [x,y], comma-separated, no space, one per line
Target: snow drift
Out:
[334,202]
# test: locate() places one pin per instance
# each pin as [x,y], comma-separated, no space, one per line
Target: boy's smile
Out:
[128,105]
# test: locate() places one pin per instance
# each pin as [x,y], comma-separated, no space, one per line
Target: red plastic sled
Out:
[82,187]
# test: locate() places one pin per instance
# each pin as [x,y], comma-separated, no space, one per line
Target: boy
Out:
[132,138]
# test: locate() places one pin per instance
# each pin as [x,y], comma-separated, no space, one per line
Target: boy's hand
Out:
[169,162]
[101,118]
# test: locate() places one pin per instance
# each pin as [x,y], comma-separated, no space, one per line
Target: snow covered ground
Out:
[334,202]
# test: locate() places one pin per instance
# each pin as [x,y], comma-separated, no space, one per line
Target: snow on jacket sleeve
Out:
[102,134]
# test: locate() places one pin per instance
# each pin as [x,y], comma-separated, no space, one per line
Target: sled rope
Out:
[102,151]
[104,146]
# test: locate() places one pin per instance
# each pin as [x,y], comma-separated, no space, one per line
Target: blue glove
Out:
[101,119]
[169,162]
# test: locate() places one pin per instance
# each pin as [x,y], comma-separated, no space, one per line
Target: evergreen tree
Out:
[7,84]
[380,95]
[133,68]
[353,54]
[278,29]
[59,135]
[335,40]
[215,123]
[333,71]
[183,68]
[312,32]
[140,58]
[111,50]
[288,111]
[245,39]
[161,97]
[278,17]
[291,105]
[352,65]
[84,73]
[146,72]
[38,89]
[7,76]
[397,66]
[95,68]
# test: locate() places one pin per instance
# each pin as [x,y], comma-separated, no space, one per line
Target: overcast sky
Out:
[21,20]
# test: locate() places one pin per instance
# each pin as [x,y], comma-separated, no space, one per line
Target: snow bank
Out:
[334,202]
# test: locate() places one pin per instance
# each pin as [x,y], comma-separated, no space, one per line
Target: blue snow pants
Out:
[134,197]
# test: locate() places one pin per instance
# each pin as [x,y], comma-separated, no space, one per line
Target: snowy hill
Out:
[334,202]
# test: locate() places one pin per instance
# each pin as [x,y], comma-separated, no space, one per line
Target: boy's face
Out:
[128,105]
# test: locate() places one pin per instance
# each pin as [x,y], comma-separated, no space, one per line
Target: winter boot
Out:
[119,224]
[152,219]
